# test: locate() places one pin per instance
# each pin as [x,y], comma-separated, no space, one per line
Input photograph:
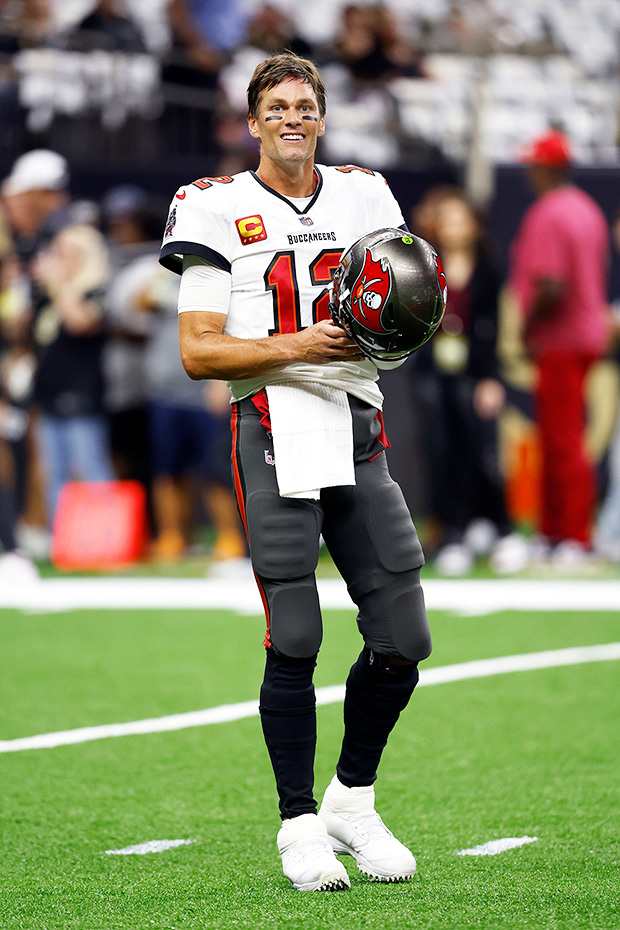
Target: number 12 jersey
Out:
[281,253]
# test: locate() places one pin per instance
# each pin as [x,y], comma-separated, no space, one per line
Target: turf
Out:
[533,753]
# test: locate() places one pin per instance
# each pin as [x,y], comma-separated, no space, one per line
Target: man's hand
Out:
[325,342]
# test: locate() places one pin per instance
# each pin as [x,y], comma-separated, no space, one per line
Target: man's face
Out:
[288,123]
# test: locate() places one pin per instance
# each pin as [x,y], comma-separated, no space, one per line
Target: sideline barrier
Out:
[99,525]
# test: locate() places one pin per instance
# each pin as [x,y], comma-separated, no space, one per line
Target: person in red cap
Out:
[558,274]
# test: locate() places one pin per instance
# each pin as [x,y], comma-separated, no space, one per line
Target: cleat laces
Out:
[369,825]
[308,848]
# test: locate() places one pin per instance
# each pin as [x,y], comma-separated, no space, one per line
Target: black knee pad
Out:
[392,618]
[295,624]
[283,536]
[409,623]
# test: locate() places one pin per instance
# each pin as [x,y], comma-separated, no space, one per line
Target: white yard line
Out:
[494,847]
[465,597]
[481,668]
[153,846]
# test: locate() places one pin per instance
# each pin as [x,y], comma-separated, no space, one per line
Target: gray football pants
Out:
[367,529]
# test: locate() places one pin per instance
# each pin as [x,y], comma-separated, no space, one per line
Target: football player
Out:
[257,253]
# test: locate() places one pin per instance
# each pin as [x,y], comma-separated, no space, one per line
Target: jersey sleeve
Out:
[385,211]
[196,225]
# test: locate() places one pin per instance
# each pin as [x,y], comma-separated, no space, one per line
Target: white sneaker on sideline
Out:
[454,559]
[308,859]
[355,829]
[570,554]
[17,569]
[540,549]
[480,536]
[510,555]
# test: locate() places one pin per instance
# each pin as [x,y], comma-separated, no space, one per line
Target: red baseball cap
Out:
[552,150]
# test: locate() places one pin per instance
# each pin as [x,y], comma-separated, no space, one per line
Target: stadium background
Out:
[474,81]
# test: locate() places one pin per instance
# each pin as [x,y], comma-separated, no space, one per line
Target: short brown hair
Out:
[284,67]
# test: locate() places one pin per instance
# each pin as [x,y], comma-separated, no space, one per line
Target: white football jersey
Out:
[281,253]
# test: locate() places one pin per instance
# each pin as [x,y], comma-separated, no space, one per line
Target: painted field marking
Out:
[494,847]
[467,597]
[333,694]
[153,846]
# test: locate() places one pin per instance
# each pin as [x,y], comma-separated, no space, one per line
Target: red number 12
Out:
[281,279]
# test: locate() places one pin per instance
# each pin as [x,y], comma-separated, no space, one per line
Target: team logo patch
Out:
[306,221]
[251,229]
[370,294]
[171,222]
[269,459]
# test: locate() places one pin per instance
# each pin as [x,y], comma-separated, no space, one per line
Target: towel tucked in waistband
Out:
[312,431]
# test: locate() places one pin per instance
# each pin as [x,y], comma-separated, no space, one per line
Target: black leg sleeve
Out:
[376,694]
[288,717]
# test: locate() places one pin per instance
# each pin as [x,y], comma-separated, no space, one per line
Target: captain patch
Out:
[251,229]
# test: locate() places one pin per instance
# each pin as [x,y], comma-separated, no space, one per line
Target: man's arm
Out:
[206,352]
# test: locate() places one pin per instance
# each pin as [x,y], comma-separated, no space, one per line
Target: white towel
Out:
[312,433]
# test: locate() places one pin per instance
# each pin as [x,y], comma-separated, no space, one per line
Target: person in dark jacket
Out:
[459,395]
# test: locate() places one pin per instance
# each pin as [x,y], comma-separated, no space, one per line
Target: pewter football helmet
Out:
[389,293]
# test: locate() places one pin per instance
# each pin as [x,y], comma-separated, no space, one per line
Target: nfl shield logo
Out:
[306,221]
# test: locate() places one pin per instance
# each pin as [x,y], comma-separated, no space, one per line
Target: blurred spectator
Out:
[204,33]
[69,336]
[559,276]
[108,28]
[458,397]
[133,229]
[26,24]
[14,419]
[14,566]
[607,533]
[271,30]
[424,213]
[36,200]
[370,43]
[37,205]
[189,432]
[123,211]
[472,28]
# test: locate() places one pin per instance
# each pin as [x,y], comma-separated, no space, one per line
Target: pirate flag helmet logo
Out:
[370,295]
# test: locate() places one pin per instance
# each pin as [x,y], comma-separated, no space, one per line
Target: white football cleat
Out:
[308,859]
[355,829]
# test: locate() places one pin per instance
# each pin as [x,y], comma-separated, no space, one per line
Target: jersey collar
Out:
[317,191]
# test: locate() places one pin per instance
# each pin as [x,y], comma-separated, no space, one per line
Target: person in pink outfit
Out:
[559,267]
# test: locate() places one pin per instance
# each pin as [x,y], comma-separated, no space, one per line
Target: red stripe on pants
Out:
[239,493]
[568,476]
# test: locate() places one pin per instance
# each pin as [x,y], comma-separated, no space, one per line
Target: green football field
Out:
[522,754]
